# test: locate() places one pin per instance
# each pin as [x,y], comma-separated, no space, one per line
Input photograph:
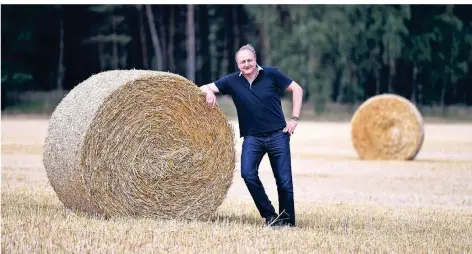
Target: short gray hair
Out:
[248,47]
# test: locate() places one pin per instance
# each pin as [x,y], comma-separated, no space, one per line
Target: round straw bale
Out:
[387,127]
[139,143]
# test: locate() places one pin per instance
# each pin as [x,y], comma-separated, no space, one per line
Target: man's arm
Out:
[210,88]
[297,96]
[287,84]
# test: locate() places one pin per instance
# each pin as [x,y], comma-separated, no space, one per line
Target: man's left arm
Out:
[297,97]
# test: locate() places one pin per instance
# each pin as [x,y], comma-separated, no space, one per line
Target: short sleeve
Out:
[281,80]
[223,84]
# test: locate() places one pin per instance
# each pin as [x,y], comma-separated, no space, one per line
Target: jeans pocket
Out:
[284,132]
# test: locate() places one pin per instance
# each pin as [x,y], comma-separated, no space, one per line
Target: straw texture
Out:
[387,127]
[139,143]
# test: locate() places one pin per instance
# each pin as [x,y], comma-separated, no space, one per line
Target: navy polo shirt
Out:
[258,104]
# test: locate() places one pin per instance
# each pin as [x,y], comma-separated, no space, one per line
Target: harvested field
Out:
[343,204]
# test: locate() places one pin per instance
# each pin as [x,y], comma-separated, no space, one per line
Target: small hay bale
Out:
[387,127]
[139,143]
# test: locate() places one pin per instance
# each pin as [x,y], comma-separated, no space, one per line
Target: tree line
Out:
[338,53]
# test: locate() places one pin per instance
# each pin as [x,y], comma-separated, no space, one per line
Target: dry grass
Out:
[342,204]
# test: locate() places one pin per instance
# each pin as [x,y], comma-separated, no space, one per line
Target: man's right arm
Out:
[210,88]
[219,86]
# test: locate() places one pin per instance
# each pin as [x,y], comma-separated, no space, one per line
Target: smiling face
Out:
[246,61]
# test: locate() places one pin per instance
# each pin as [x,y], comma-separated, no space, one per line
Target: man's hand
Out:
[290,128]
[211,99]
[209,94]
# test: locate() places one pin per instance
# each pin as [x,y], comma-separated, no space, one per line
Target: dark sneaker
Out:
[279,222]
[285,221]
[285,224]
[270,221]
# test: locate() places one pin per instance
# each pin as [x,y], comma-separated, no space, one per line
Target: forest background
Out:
[341,54]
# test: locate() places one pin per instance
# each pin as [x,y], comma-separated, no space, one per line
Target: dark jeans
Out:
[277,146]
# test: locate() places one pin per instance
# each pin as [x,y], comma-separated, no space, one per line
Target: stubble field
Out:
[342,204]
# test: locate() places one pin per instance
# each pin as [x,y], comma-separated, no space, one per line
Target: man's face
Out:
[246,62]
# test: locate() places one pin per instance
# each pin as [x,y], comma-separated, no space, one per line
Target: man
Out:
[256,93]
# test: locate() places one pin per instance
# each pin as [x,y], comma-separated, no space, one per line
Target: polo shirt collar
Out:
[259,68]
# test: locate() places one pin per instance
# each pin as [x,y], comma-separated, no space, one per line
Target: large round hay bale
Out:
[139,143]
[387,127]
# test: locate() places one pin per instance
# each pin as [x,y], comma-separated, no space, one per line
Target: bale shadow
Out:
[441,160]
[255,221]
[242,219]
